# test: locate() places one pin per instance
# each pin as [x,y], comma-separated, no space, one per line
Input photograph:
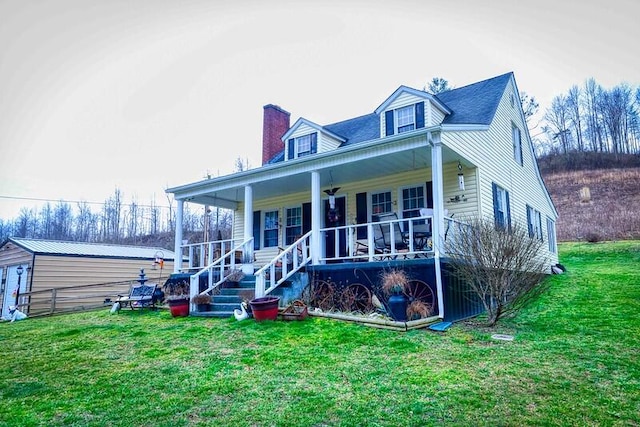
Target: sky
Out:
[150,94]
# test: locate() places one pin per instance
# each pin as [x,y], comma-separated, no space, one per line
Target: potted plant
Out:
[418,310]
[394,282]
[234,277]
[202,301]
[176,293]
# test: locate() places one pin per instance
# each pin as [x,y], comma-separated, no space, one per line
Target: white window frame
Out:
[275,226]
[288,226]
[516,136]
[408,114]
[502,205]
[535,223]
[303,142]
[378,193]
[401,199]
[551,236]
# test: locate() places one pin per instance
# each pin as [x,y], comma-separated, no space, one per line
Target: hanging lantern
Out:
[332,215]
[460,177]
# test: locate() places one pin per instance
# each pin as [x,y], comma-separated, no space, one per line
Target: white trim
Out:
[415,92]
[177,244]
[463,128]
[302,121]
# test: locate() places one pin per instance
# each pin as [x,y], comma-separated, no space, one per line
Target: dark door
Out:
[332,221]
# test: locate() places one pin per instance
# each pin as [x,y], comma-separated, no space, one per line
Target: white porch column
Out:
[438,213]
[316,209]
[247,267]
[177,246]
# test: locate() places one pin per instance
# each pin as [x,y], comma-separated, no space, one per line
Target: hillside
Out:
[608,210]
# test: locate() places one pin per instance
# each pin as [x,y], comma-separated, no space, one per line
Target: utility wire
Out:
[36,199]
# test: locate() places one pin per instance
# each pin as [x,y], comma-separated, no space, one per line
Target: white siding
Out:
[492,152]
[325,142]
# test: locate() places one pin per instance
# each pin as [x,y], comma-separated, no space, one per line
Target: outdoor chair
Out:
[140,296]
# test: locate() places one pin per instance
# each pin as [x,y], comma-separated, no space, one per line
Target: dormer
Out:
[409,109]
[305,138]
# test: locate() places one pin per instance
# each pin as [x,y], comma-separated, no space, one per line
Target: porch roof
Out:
[367,160]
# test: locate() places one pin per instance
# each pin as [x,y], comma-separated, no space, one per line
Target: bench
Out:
[140,296]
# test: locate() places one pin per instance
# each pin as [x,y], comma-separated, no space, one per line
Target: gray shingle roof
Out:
[472,104]
[53,247]
[475,103]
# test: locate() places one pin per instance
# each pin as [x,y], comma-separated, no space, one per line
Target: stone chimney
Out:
[275,124]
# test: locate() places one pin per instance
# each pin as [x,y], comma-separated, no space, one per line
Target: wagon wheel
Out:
[322,295]
[419,290]
[356,297]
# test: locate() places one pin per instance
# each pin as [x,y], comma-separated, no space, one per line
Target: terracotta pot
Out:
[179,307]
[265,308]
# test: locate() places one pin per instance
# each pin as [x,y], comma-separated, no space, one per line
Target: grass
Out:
[574,361]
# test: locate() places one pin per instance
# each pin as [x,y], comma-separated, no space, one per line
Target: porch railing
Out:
[290,260]
[226,261]
[203,254]
[406,236]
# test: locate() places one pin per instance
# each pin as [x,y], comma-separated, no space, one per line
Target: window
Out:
[302,146]
[534,223]
[381,203]
[501,209]
[551,235]
[270,229]
[412,201]
[405,118]
[293,230]
[517,145]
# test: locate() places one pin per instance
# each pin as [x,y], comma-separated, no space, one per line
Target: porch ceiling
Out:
[270,182]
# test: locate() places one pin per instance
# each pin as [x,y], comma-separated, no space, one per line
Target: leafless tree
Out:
[501,265]
[62,221]
[557,119]
[575,115]
[437,85]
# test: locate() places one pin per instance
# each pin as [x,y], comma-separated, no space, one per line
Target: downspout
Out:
[177,245]
[316,207]
[247,267]
[438,212]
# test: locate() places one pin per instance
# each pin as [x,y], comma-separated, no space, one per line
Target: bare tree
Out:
[575,115]
[437,85]
[529,105]
[557,119]
[62,221]
[501,265]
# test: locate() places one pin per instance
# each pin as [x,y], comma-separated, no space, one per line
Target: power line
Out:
[36,199]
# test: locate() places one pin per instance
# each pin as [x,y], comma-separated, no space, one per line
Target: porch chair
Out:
[400,240]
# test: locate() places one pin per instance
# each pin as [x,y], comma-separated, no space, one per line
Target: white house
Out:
[322,198]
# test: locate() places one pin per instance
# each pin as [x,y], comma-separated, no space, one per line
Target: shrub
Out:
[501,265]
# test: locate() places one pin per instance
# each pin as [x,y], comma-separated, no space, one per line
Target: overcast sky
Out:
[149,94]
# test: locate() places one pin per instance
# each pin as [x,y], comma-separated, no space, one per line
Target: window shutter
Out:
[420,115]
[496,213]
[508,219]
[314,142]
[291,149]
[361,214]
[521,159]
[306,218]
[429,200]
[256,230]
[529,222]
[389,127]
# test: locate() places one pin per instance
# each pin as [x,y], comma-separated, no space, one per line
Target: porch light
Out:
[333,214]
[460,177]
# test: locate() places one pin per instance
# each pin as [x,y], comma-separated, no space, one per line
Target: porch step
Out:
[228,299]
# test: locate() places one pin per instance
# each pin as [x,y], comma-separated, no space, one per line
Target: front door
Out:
[332,220]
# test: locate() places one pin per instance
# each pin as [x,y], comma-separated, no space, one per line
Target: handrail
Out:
[300,258]
[194,279]
[202,254]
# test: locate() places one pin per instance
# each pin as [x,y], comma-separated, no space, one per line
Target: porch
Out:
[388,242]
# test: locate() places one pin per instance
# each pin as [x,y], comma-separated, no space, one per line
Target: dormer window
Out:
[404,119]
[302,146]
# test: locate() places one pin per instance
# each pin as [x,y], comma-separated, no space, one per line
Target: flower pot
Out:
[398,307]
[265,308]
[179,307]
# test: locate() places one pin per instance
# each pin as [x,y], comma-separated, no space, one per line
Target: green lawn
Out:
[574,361]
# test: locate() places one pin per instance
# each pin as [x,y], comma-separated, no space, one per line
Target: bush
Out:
[502,266]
